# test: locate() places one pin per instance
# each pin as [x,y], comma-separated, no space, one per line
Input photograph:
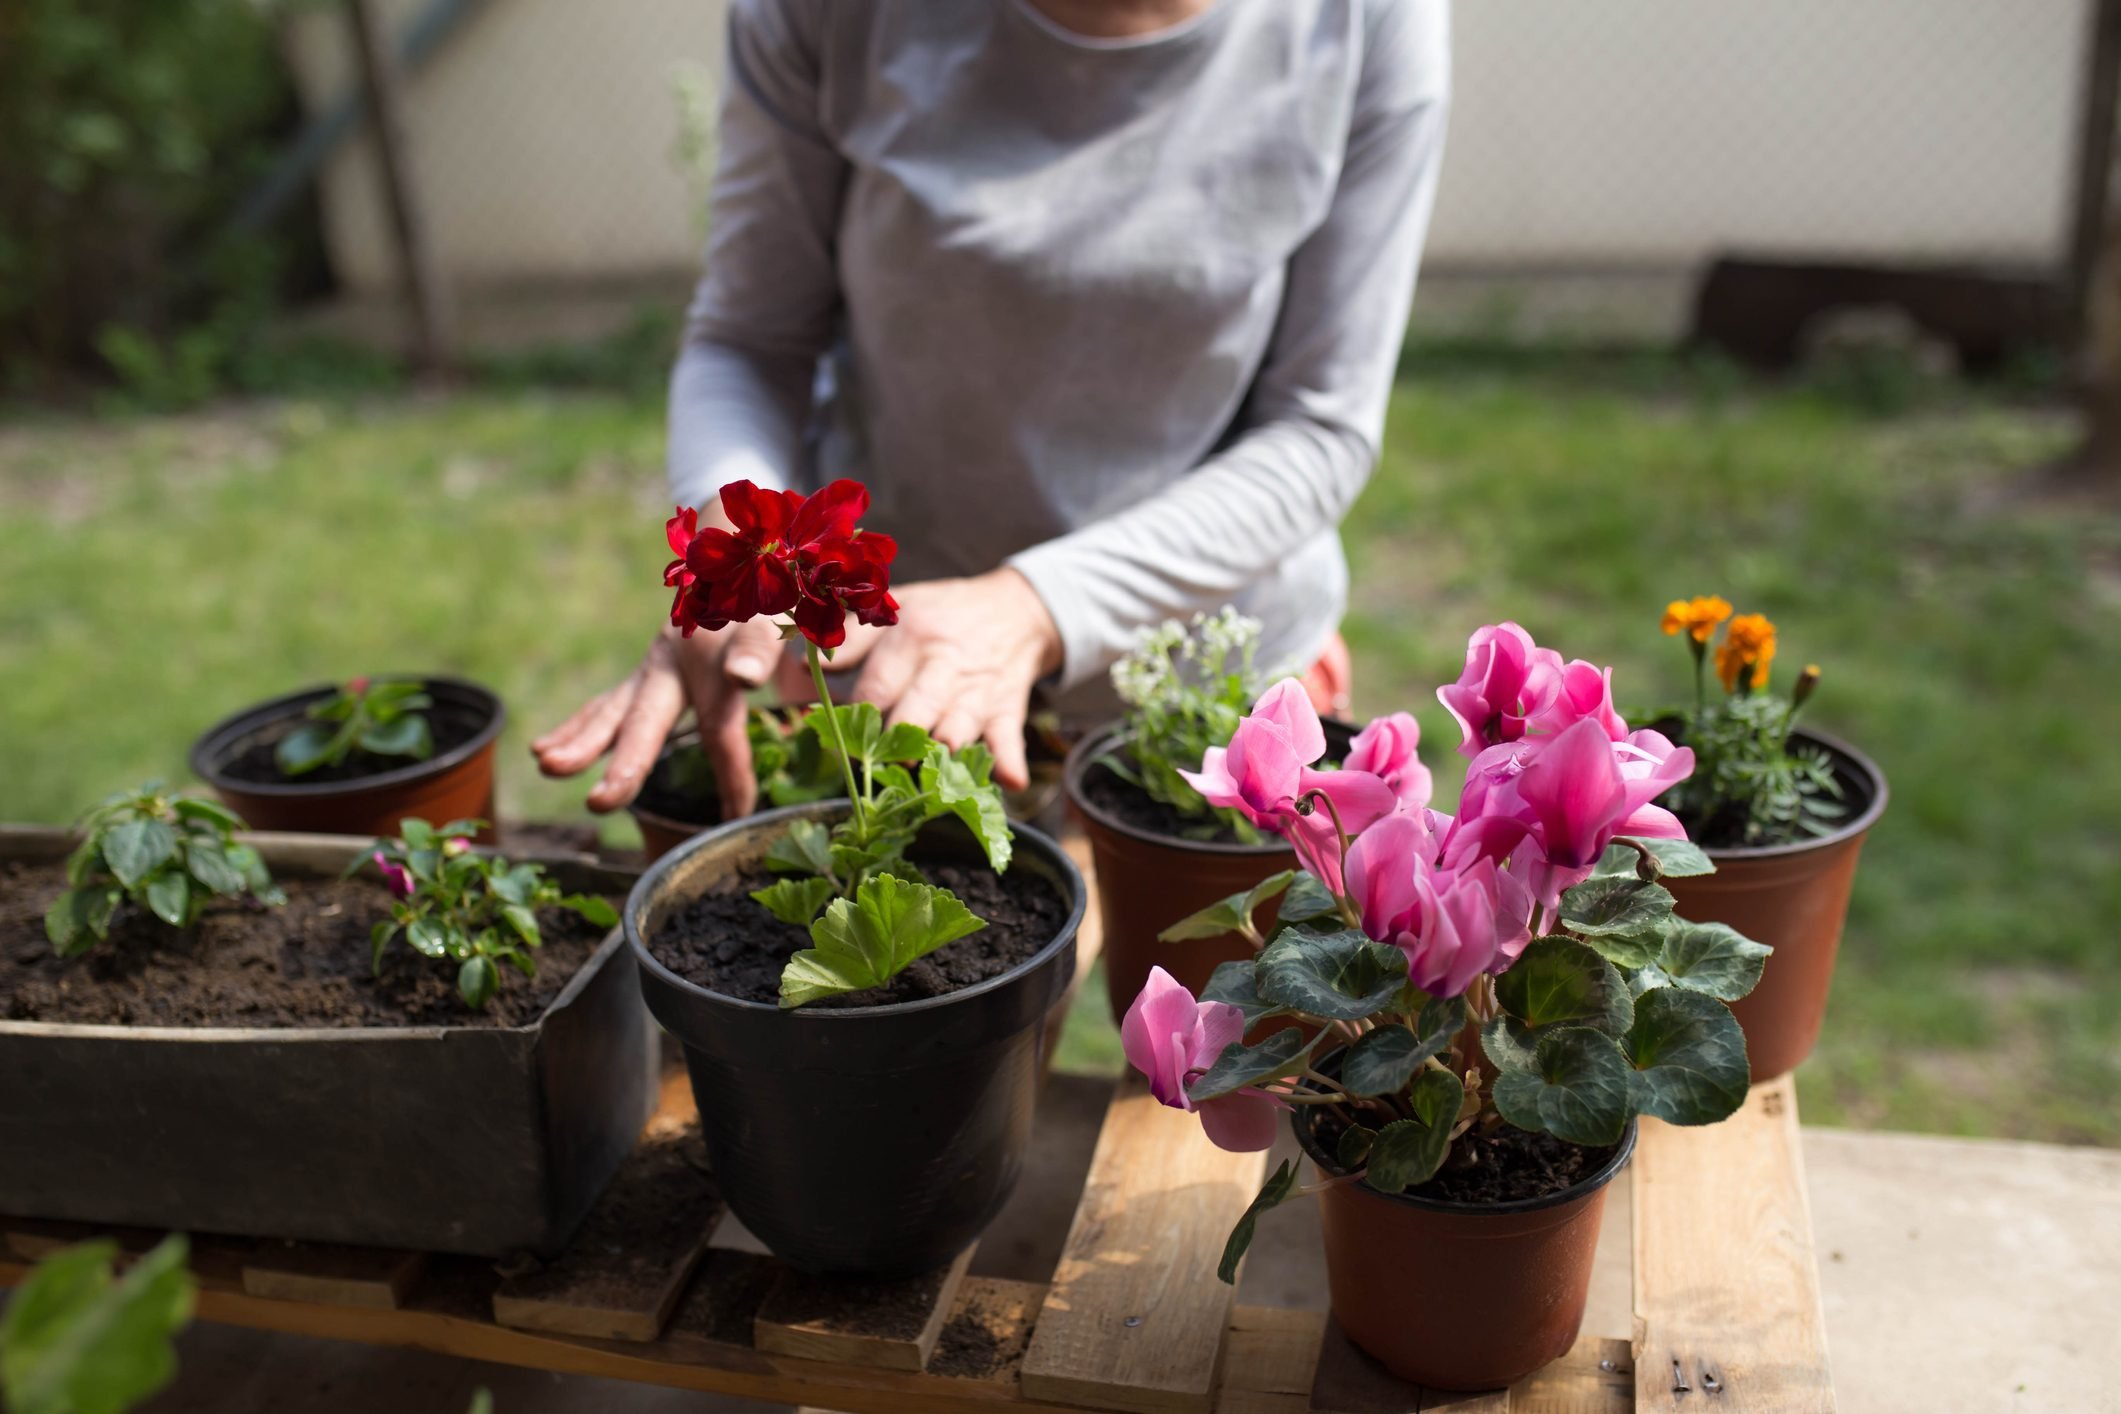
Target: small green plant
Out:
[477,910]
[1750,785]
[380,718]
[789,763]
[76,1341]
[166,852]
[1185,692]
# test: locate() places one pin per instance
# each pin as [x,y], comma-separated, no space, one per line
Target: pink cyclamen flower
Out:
[396,877]
[1267,768]
[1173,1039]
[1580,791]
[1507,681]
[1451,924]
[1582,690]
[1386,749]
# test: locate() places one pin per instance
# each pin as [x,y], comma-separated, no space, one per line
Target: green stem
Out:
[839,739]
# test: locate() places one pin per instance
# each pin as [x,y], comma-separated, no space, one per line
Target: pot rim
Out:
[645,888]
[1083,755]
[676,741]
[206,749]
[1856,764]
[1583,1188]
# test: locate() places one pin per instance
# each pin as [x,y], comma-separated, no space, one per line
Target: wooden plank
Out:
[1135,1317]
[1597,1376]
[1726,1281]
[1268,1360]
[622,1275]
[34,1239]
[332,1275]
[892,1325]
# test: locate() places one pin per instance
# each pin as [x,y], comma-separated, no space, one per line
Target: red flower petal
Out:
[680,529]
[716,554]
[760,517]
[830,514]
[822,621]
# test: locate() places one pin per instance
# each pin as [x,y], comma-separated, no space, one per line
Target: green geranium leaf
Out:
[1280,1184]
[1676,859]
[137,849]
[805,849]
[1409,1151]
[860,723]
[960,783]
[408,735]
[1576,1088]
[1712,959]
[1278,1056]
[865,941]
[211,867]
[1615,907]
[1231,915]
[1382,1061]
[597,912]
[477,980]
[903,744]
[1307,901]
[76,1342]
[1688,1054]
[211,812]
[1339,976]
[169,897]
[1555,982]
[795,900]
[1236,982]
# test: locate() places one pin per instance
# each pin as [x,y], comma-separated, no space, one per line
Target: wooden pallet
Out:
[1726,1298]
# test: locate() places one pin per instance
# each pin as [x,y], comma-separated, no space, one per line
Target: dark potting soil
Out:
[667,798]
[1132,805]
[451,724]
[306,964]
[979,1341]
[880,1310]
[1508,1165]
[727,942]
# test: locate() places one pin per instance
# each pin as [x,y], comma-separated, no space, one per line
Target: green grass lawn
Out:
[156,573]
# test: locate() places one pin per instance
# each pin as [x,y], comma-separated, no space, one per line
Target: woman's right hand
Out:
[714,671]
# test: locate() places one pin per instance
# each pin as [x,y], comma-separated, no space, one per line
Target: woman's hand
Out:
[711,670]
[961,662]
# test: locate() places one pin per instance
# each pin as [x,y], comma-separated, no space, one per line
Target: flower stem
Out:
[839,739]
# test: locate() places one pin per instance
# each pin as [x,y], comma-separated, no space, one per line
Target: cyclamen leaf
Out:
[137,848]
[1713,959]
[1230,915]
[1676,859]
[1615,907]
[795,900]
[865,941]
[1306,901]
[1577,1088]
[74,1341]
[1339,976]
[1688,1054]
[1280,1184]
[1560,982]
[1235,982]
[1409,1151]
[959,784]
[1241,1065]
[1354,1146]
[1382,1061]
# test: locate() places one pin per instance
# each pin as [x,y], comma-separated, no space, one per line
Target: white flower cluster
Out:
[1170,659]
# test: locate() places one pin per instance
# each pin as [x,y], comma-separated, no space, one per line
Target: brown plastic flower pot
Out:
[456,783]
[1147,881]
[664,823]
[1794,898]
[1460,1296]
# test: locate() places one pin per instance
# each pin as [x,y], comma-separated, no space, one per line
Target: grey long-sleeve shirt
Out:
[1123,314]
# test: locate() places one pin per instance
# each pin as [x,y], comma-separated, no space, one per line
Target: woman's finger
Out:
[753,648]
[718,705]
[1005,738]
[582,738]
[887,674]
[958,724]
[657,703]
[927,697]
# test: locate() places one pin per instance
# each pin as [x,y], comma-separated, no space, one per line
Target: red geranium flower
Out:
[788,553]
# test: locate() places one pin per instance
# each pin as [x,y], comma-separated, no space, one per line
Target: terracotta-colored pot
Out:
[663,830]
[1147,881]
[1461,1296]
[1794,898]
[454,784]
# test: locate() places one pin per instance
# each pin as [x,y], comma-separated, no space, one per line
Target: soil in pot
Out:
[727,942]
[303,965]
[452,724]
[1509,1165]
[1132,805]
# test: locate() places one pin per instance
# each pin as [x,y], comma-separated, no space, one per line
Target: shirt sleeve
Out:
[1309,432]
[767,305]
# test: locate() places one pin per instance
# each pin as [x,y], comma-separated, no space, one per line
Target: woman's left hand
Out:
[960,662]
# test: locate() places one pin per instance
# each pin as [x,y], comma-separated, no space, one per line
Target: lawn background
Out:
[158,572]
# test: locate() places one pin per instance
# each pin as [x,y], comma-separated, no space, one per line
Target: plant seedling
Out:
[380,718]
[166,852]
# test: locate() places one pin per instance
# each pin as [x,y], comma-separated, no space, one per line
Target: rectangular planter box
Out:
[479,1140]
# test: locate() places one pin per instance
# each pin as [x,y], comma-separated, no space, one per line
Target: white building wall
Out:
[1587,134]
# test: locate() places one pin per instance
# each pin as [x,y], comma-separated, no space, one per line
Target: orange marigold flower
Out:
[1747,650]
[1697,617]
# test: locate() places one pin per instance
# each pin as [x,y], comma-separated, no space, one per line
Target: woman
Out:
[1101,299]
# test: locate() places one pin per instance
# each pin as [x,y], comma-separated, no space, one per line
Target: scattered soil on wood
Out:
[1507,1166]
[451,724]
[724,1294]
[306,964]
[880,1310]
[727,942]
[979,1342]
[647,1225]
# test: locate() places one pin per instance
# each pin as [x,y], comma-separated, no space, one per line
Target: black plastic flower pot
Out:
[865,1141]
